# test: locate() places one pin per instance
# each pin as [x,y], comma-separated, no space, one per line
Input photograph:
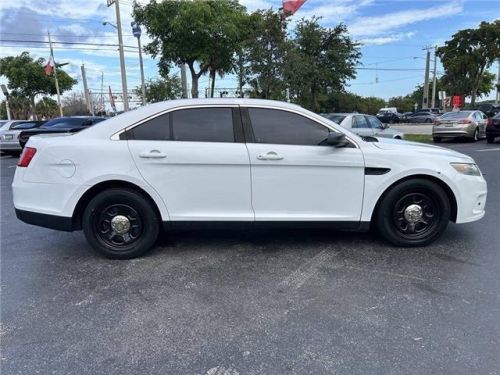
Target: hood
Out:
[407,146]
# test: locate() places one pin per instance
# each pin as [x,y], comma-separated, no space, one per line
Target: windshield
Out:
[497,115]
[24,125]
[64,122]
[455,115]
[381,113]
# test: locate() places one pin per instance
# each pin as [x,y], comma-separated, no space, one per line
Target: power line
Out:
[68,36]
[70,43]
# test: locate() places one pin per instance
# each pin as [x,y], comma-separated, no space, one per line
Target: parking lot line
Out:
[488,149]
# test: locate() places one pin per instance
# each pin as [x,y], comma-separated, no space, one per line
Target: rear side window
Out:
[203,125]
[287,128]
[156,129]
[189,125]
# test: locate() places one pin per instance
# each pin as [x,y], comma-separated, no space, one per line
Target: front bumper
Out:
[471,198]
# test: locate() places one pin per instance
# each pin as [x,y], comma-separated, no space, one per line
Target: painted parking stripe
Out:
[488,149]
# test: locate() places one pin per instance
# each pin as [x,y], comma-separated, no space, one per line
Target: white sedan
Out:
[239,160]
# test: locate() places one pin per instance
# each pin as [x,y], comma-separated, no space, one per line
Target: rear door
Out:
[195,158]
[361,126]
[295,175]
[482,120]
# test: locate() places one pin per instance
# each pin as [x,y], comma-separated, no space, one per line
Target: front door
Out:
[192,157]
[295,175]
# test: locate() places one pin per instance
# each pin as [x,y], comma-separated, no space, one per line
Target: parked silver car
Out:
[364,125]
[460,124]
[427,117]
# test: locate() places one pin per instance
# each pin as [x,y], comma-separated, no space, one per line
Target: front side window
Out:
[281,127]
[203,125]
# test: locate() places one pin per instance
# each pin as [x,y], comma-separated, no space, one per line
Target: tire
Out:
[475,137]
[132,208]
[436,139]
[490,139]
[428,121]
[394,220]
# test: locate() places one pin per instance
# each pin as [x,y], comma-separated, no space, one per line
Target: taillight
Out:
[26,156]
[490,122]
[465,121]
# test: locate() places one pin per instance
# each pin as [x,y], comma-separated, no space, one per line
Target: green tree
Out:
[47,108]
[402,103]
[321,61]
[467,56]
[158,90]
[27,77]
[19,106]
[199,33]
[346,102]
[265,50]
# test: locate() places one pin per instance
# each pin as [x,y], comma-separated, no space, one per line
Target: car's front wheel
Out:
[413,213]
[120,223]
[490,139]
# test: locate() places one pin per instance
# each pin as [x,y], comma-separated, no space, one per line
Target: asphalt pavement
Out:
[254,302]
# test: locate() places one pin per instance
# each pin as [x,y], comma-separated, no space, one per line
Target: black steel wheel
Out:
[120,223]
[413,213]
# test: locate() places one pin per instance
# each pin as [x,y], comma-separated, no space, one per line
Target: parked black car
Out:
[490,110]
[493,128]
[388,117]
[71,124]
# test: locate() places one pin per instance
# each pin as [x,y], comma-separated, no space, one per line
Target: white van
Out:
[389,109]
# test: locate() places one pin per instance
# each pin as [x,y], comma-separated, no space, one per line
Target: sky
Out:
[393,34]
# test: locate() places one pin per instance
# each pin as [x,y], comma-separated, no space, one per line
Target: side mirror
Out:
[337,139]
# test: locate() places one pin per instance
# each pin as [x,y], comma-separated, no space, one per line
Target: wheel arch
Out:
[441,183]
[105,185]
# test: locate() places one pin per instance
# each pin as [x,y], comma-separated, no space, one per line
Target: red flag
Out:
[291,6]
[50,66]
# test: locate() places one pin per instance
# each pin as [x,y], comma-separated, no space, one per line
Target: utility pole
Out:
[7,108]
[425,98]
[86,89]
[434,81]
[102,92]
[136,31]
[55,77]
[497,100]
[122,54]
[184,82]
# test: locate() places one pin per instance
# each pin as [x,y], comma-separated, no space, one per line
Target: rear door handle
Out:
[271,155]
[153,154]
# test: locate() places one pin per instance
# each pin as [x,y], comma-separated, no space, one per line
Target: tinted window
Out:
[64,122]
[24,125]
[336,118]
[374,122]
[156,129]
[281,127]
[203,125]
[359,122]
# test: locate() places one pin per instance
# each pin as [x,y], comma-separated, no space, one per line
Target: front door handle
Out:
[271,155]
[153,154]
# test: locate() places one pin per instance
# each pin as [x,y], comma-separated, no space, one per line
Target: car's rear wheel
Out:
[428,121]
[120,223]
[413,213]
[490,139]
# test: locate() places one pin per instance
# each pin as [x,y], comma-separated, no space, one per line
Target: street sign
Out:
[136,29]
[442,95]
[4,90]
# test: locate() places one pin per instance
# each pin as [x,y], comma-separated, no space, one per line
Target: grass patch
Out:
[424,138]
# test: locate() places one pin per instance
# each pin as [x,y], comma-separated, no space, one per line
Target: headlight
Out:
[469,169]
